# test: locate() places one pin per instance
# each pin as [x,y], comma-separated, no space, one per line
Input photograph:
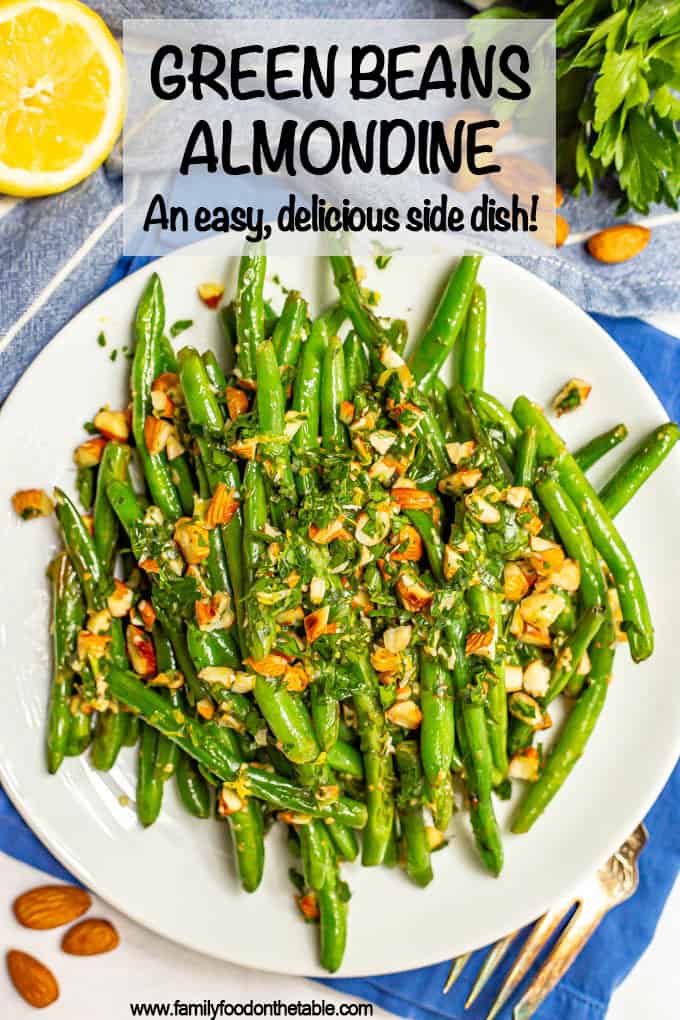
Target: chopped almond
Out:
[536,678]
[147,613]
[113,424]
[168,383]
[539,637]
[89,453]
[205,708]
[397,639]
[452,561]
[150,565]
[315,623]
[237,402]
[229,802]
[405,714]
[617,615]
[346,413]
[322,536]
[542,609]
[296,679]
[162,404]
[273,664]
[173,680]
[317,590]
[309,907]
[99,622]
[480,643]
[211,294]
[567,577]
[156,434]
[221,675]
[140,650]
[526,708]
[193,539]
[121,599]
[515,584]
[572,395]
[383,660]
[214,613]
[546,557]
[525,765]
[481,509]
[245,448]
[460,451]
[30,503]
[173,447]
[409,544]
[413,594]
[513,677]
[460,481]
[369,532]
[412,498]
[222,506]
[517,496]
[92,646]
[435,838]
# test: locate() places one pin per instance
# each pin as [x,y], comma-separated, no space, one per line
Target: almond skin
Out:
[90,938]
[618,244]
[32,979]
[50,906]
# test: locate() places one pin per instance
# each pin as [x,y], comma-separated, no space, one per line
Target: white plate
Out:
[177,877]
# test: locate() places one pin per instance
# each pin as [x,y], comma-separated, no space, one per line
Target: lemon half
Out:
[62,95]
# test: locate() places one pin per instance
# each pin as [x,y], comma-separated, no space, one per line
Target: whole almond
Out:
[50,906]
[32,979]
[618,244]
[90,938]
[561,230]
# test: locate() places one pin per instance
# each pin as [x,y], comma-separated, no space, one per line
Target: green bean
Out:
[476,753]
[473,348]
[68,613]
[605,537]
[270,318]
[438,340]
[315,859]
[441,802]
[377,764]
[410,808]
[250,328]
[167,753]
[108,738]
[307,401]
[174,631]
[430,434]
[346,759]
[205,743]
[333,393]
[356,363]
[271,409]
[213,370]
[79,733]
[345,841]
[82,552]
[181,478]
[593,451]
[325,712]
[131,731]
[525,459]
[362,318]
[437,738]
[85,486]
[492,412]
[575,732]
[332,900]
[288,719]
[193,790]
[440,406]
[254,519]
[486,604]
[227,321]
[632,474]
[149,322]
[290,329]
[149,785]
[423,522]
[212,648]
[114,464]
[216,563]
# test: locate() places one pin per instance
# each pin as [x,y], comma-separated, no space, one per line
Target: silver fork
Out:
[612,884]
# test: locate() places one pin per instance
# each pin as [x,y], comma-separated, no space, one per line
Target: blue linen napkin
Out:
[625,933]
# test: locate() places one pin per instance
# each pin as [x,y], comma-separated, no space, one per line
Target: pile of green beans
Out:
[347,593]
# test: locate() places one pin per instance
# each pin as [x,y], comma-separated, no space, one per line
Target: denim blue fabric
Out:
[625,933]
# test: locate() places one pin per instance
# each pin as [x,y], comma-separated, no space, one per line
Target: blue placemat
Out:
[625,933]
